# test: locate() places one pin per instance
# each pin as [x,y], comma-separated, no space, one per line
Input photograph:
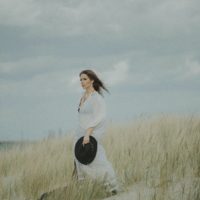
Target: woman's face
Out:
[85,81]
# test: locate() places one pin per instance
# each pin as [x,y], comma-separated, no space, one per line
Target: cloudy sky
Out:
[146,52]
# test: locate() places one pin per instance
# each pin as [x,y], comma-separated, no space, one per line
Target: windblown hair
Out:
[97,84]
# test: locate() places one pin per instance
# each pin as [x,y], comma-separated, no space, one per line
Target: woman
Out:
[92,121]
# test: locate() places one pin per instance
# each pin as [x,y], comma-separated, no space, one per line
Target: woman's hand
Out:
[86,139]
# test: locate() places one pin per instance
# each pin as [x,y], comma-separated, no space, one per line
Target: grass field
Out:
[162,153]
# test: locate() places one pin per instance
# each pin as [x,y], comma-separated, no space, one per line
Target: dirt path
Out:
[186,188]
[136,192]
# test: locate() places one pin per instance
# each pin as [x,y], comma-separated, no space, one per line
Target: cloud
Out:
[19,12]
[116,74]
[191,70]
[25,68]
[138,47]
[129,18]
[33,83]
[54,27]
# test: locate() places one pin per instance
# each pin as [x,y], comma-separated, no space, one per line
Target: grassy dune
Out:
[161,153]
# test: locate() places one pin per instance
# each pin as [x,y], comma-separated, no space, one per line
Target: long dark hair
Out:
[97,84]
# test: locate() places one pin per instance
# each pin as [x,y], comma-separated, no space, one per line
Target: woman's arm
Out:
[99,113]
[86,138]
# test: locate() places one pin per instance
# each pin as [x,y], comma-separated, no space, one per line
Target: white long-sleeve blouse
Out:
[92,113]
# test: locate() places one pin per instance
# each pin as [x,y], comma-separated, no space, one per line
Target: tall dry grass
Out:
[162,153]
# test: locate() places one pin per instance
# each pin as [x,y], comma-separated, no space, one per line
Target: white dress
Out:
[92,113]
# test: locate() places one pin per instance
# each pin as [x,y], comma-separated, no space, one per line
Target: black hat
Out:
[86,153]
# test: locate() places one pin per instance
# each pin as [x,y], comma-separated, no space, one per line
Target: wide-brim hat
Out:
[86,153]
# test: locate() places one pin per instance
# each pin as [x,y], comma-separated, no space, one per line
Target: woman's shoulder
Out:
[98,97]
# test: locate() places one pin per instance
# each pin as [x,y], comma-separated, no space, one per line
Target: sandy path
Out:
[186,188]
[136,192]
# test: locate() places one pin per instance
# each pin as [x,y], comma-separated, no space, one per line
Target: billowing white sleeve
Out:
[99,112]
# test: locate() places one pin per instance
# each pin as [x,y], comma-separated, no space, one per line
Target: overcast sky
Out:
[146,52]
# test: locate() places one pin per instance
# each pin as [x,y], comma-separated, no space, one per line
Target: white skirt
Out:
[100,168]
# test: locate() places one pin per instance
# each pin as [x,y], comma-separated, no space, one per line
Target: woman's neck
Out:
[89,91]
